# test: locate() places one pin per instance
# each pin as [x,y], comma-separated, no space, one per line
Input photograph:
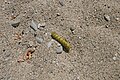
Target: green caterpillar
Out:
[66,45]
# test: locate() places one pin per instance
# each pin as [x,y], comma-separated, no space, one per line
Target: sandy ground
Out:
[95,40]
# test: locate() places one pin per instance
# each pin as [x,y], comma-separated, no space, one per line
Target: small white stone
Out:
[58,14]
[50,43]
[61,2]
[116,54]
[114,58]
[80,37]
[107,18]
[117,19]
[41,25]
[59,49]
[46,34]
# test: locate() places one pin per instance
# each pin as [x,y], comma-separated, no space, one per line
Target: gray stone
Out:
[15,23]
[33,25]
[39,40]
[107,18]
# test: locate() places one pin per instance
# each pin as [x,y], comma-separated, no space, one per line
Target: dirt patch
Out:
[91,26]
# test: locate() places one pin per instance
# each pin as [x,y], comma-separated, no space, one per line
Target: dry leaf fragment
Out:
[17,36]
[26,56]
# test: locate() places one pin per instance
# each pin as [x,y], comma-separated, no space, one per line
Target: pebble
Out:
[106,26]
[33,25]
[117,19]
[41,25]
[61,2]
[58,14]
[80,37]
[59,49]
[107,18]
[15,23]
[114,58]
[50,43]
[39,39]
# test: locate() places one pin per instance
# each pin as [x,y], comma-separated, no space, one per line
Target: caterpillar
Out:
[66,45]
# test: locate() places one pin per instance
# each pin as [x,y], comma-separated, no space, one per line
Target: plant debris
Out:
[17,36]
[27,55]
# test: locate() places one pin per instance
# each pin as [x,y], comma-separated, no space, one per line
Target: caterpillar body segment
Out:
[66,45]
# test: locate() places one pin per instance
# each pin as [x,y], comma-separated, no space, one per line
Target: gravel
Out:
[15,23]
[59,49]
[94,55]
[107,17]
[34,25]
[39,40]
